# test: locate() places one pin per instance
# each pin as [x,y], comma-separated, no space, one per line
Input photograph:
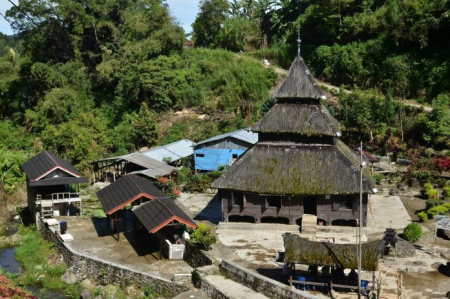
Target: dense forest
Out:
[90,78]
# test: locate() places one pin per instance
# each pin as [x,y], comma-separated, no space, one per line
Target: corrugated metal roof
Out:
[160,168]
[175,150]
[153,173]
[244,134]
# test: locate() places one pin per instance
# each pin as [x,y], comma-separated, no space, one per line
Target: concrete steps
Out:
[309,227]
[231,289]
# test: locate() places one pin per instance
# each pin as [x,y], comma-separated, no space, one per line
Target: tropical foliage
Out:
[203,237]
[93,78]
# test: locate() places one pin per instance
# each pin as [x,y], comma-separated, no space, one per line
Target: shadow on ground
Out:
[144,244]
[212,211]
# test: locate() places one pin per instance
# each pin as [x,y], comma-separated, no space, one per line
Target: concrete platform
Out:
[201,206]
[89,238]
[386,212]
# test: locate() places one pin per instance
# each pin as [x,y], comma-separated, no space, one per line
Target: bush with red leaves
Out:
[443,164]
[8,290]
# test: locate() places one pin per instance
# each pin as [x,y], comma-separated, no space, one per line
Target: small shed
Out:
[110,169]
[151,214]
[52,185]
[223,150]
[166,223]
[156,214]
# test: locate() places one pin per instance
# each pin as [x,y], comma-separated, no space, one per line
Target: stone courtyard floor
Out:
[90,237]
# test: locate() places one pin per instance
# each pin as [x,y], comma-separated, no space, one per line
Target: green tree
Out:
[437,123]
[208,22]
[235,33]
[144,126]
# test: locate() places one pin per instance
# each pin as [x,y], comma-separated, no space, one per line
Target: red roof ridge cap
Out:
[51,158]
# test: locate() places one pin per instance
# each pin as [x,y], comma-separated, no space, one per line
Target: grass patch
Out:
[40,261]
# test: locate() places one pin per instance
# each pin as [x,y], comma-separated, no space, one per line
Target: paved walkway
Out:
[232,289]
[386,211]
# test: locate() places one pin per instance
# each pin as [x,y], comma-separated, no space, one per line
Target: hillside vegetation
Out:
[384,51]
[92,78]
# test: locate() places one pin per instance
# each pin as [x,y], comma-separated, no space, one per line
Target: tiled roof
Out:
[126,190]
[157,213]
[44,163]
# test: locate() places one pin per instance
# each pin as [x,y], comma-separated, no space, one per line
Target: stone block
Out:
[446,254]
[85,294]
[69,277]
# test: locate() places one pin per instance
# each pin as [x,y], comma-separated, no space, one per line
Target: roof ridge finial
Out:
[299,41]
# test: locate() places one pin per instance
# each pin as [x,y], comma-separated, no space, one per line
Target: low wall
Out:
[264,285]
[195,257]
[104,272]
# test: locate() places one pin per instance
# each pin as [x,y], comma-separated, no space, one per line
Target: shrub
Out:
[446,192]
[437,210]
[432,202]
[203,237]
[433,193]
[378,177]
[429,152]
[412,232]
[422,216]
[429,191]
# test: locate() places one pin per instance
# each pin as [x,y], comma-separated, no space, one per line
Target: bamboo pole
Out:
[360,219]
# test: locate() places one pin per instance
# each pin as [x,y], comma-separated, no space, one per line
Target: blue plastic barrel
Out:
[300,286]
[364,284]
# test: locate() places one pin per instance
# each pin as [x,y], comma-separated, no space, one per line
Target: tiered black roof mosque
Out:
[299,151]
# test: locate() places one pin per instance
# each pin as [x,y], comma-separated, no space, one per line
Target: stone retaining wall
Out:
[264,285]
[104,272]
[195,257]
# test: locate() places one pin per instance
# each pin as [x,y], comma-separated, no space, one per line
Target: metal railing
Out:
[57,196]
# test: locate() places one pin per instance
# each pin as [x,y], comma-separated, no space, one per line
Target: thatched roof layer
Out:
[292,169]
[299,83]
[305,119]
[302,251]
